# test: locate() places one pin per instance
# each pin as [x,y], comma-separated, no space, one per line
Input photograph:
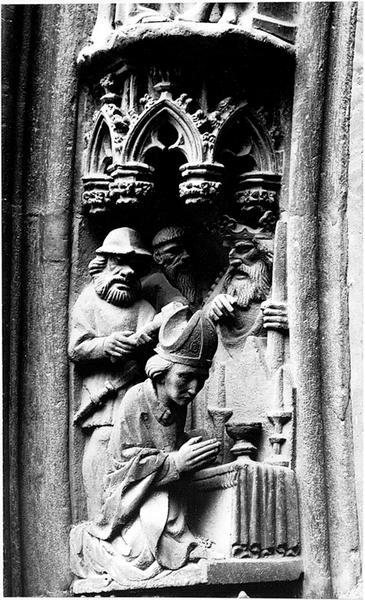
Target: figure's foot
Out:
[148,17]
[198,14]
[230,14]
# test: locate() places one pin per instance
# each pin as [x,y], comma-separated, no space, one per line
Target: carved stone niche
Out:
[167,153]
[194,156]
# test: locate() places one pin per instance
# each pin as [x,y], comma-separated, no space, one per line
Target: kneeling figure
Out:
[141,530]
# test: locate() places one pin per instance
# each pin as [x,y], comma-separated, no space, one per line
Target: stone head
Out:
[248,276]
[180,383]
[170,253]
[120,263]
[169,249]
[183,356]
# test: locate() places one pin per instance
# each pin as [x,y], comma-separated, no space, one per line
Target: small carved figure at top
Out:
[141,531]
[130,13]
[103,341]
[228,12]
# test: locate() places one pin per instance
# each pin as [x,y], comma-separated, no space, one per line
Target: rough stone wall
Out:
[15,54]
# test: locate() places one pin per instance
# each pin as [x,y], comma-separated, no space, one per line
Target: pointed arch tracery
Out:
[243,144]
[164,126]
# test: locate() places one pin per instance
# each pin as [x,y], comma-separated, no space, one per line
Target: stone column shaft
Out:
[47,216]
[304,186]
[334,307]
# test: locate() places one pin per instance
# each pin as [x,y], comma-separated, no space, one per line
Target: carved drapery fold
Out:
[264,508]
[265,515]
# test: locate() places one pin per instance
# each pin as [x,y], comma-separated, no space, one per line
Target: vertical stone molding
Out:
[355,266]
[16,29]
[318,254]
[343,524]
[48,154]
[303,239]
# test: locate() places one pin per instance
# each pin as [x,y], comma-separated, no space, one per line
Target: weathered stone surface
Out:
[355,266]
[189,575]
[43,437]
[344,551]
[318,256]
[16,24]
[214,573]
[254,570]
[305,169]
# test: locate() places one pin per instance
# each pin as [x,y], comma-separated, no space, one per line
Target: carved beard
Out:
[105,284]
[254,288]
[182,279]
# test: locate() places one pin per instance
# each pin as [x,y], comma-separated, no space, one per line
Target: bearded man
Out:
[141,531]
[241,304]
[110,358]
[170,253]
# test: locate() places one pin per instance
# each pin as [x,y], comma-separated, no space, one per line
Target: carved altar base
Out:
[249,512]
[216,572]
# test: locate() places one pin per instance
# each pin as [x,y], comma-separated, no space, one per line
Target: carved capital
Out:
[131,183]
[95,198]
[257,199]
[202,183]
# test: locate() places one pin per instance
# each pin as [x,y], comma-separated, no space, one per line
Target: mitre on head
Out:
[188,340]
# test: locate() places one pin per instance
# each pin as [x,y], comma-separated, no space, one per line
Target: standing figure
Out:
[241,304]
[240,301]
[110,358]
[142,530]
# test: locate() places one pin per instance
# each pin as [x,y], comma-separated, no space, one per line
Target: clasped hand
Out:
[275,315]
[124,343]
[194,454]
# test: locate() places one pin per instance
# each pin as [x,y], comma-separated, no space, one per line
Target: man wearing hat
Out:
[103,343]
[141,530]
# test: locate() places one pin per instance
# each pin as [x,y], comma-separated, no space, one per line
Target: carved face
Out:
[118,283]
[176,264]
[248,274]
[182,383]
[173,256]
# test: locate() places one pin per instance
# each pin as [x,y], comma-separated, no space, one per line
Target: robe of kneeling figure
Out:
[141,529]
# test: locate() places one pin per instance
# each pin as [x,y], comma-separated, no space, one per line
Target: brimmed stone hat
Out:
[126,242]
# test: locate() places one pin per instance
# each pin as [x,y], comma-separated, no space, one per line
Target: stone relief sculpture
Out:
[198,170]
[228,12]
[105,317]
[242,302]
[116,18]
[141,530]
